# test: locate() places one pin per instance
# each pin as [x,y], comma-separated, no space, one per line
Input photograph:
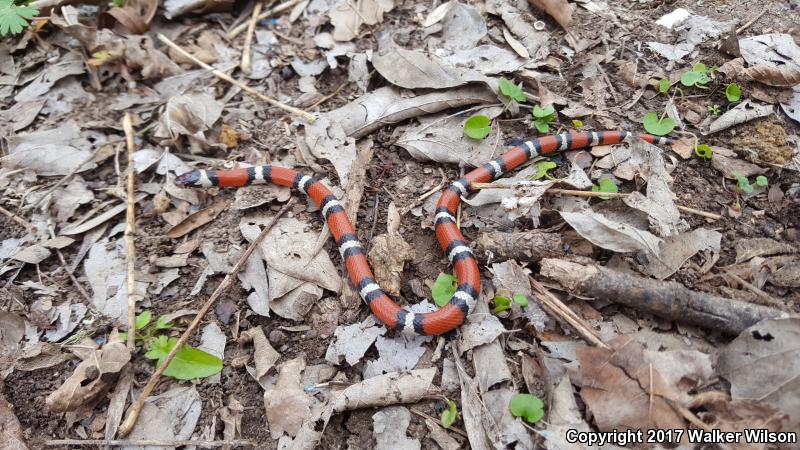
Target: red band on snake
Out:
[452,315]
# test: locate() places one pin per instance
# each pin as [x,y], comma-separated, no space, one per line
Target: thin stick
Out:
[224,76]
[270,12]
[130,421]
[751,21]
[130,229]
[765,298]
[248,38]
[123,443]
[577,193]
[16,218]
[565,313]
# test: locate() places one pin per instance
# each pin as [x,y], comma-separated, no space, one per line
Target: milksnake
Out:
[450,239]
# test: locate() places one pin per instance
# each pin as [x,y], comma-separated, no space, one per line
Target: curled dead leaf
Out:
[197,219]
[773,76]
[92,378]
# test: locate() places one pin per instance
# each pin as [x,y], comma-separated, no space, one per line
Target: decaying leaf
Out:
[287,404]
[92,378]
[561,10]
[763,364]
[56,151]
[388,255]
[198,219]
[773,76]
[352,341]
[743,112]
[265,355]
[611,234]
[169,416]
[10,429]
[389,427]
[623,390]
[347,16]
[677,249]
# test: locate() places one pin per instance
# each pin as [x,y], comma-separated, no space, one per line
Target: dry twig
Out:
[133,414]
[248,38]
[562,311]
[285,6]
[224,76]
[130,229]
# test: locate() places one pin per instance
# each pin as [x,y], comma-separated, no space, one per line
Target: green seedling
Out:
[714,110]
[511,91]
[704,151]
[527,406]
[659,126]
[577,124]
[449,415]
[503,303]
[542,117]
[605,185]
[443,289]
[478,126]
[14,17]
[743,184]
[189,363]
[761,181]
[733,93]
[542,169]
[664,85]
[697,77]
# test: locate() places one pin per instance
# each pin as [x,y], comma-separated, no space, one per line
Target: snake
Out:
[453,314]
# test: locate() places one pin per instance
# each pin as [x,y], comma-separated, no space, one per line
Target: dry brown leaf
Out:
[736,415]
[389,254]
[623,391]
[763,363]
[92,378]
[773,76]
[560,10]
[287,404]
[197,219]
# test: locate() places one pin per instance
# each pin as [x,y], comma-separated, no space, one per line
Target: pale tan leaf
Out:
[515,44]
[560,10]
[773,76]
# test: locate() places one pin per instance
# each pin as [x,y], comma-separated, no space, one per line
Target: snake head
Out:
[189,179]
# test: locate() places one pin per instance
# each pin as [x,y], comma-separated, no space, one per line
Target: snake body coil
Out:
[450,239]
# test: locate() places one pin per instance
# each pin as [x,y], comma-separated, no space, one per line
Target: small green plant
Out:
[743,184]
[15,16]
[761,181]
[733,93]
[714,110]
[511,91]
[502,302]
[697,77]
[664,85]
[605,185]
[527,406]
[189,363]
[118,3]
[704,151]
[577,124]
[449,415]
[478,126]
[542,117]
[659,126]
[443,289]
[542,169]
